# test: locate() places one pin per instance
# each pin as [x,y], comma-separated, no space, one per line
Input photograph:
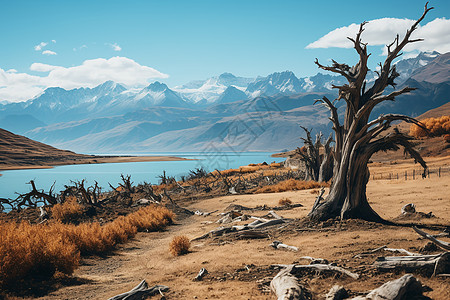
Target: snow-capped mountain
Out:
[231,94]
[207,91]
[284,83]
[406,67]
[201,101]
[159,94]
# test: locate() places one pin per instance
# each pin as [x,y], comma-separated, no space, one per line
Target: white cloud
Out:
[22,86]
[40,46]
[436,35]
[115,47]
[54,41]
[48,52]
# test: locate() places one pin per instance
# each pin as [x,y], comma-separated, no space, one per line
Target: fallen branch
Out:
[442,244]
[406,287]
[322,268]
[285,285]
[141,291]
[201,274]
[431,264]
[280,245]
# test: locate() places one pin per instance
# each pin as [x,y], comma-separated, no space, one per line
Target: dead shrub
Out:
[31,252]
[436,126]
[179,245]
[36,252]
[291,185]
[67,212]
[284,202]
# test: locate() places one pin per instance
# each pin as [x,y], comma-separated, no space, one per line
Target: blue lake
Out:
[14,181]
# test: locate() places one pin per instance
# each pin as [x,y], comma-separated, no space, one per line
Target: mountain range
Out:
[226,112]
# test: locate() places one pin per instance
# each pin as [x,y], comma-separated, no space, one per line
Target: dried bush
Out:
[31,252]
[435,126]
[290,185]
[66,212]
[284,202]
[36,252]
[179,245]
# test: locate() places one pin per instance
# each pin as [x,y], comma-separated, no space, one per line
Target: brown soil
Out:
[19,152]
[241,269]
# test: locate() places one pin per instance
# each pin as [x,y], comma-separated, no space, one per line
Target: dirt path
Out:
[238,269]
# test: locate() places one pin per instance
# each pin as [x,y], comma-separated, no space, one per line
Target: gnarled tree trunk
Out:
[357,138]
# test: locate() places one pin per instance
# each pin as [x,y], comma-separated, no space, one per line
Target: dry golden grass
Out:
[31,251]
[291,185]
[38,251]
[67,211]
[284,201]
[436,126]
[179,245]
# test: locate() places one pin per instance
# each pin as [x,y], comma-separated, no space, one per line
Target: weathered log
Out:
[385,248]
[442,244]
[321,268]
[404,288]
[314,260]
[432,265]
[337,292]
[280,245]
[285,285]
[141,291]
[201,274]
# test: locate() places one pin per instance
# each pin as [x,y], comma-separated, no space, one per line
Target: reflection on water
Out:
[15,180]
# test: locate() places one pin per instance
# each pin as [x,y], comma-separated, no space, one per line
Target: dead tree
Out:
[319,167]
[35,196]
[358,138]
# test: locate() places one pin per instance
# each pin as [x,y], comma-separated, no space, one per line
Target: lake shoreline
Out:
[92,160]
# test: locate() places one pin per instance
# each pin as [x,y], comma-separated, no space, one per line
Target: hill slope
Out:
[18,150]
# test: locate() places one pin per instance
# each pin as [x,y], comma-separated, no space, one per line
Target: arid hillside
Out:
[18,150]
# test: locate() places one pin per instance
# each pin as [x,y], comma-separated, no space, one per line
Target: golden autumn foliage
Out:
[38,251]
[290,185]
[436,127]
[179,245]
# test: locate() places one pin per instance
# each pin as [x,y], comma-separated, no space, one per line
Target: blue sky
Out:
[178,41]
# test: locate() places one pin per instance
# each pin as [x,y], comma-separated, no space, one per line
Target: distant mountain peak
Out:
[157,87]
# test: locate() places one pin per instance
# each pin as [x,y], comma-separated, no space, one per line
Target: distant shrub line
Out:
[436,127]
[36,252]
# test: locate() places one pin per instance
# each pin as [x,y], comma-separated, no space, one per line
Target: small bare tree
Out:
[318,166]
[358,138]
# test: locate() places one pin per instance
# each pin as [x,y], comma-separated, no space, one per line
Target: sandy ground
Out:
[239,269]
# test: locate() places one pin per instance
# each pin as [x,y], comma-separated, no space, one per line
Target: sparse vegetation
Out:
[435,126]
[38,251]
[284,202]
[68,211]
[291,185]
[179,245]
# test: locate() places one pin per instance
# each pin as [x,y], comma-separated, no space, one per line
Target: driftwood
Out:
[280,245]
[314,260]
[285,285]
[404,288]
[442,244]
[430,264]
[322,268]
[259,223]
[200,274]
[141,291]
[337,292]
